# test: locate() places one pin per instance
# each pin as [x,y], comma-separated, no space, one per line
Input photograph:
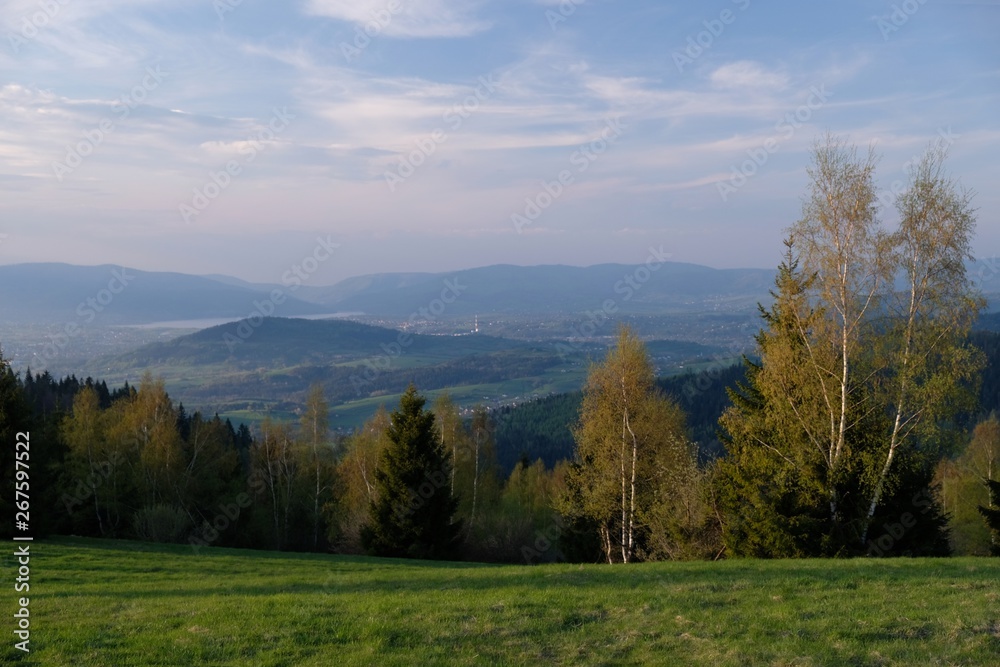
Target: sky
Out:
[240,137]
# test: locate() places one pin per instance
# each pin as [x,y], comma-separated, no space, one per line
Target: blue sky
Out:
[227,136]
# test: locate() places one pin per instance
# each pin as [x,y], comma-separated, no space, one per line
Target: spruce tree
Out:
[412,515]
[771,485]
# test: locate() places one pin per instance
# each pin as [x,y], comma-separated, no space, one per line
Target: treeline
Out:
[129,463]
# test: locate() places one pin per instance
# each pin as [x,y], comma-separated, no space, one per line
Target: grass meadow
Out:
[117,603]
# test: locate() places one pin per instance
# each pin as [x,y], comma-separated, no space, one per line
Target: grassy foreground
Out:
[96,602]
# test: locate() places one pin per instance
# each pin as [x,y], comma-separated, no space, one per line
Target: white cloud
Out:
[748,74]
[405,18]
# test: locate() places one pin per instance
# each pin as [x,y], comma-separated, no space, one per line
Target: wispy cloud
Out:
[406,18]
[748,75]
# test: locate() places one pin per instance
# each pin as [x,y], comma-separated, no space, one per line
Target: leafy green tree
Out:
[412,515]
[119,463]
[147,421]
[478,487]
[964,488]
[523,525]
[275,461]
[928,370]
[87,465]
[629,440]
[454,438]
[315,428]
[845,256]
[356,473]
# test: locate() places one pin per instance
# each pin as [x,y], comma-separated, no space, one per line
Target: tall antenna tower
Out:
[477,325]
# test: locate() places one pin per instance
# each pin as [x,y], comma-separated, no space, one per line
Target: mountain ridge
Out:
[59,292]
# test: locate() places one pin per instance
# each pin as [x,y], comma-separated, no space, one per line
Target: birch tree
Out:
[356,472]
[273,460]
[626,428]
[453,436]
[929,367]
[315,428]
[84,433]
[845,254]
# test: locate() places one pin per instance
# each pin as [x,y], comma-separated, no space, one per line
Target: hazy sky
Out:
[226,136]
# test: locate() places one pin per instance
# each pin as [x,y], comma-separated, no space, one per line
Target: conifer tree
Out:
[412,515]
[771,483]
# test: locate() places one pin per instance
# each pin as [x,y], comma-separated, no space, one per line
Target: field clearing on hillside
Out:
[115,603]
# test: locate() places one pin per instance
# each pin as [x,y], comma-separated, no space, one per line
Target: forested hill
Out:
[286,342]
[542,429]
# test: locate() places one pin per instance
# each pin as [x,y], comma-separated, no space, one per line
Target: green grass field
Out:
[115,603]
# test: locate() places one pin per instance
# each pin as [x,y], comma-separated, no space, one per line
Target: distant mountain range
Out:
[539,290]
[57,293]
[46,293]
